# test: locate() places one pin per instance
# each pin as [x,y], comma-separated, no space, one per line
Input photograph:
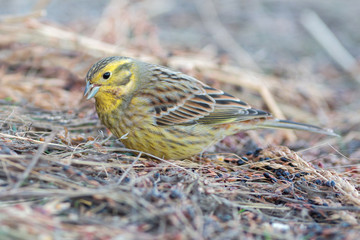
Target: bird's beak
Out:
[90,90]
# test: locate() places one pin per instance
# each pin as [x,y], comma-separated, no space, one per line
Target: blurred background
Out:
[271,31]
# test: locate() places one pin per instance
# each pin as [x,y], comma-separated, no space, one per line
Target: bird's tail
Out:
[276,123]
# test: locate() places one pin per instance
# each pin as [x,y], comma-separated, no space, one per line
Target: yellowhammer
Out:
[169,114]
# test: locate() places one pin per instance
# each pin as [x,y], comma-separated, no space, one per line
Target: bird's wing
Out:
[180,99]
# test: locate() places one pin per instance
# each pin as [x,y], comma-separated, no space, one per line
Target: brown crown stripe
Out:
[100,65]
[125,66]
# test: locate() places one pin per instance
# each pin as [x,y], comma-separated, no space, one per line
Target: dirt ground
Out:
[64,176]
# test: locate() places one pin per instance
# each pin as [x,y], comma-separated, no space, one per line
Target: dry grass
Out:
[63,176]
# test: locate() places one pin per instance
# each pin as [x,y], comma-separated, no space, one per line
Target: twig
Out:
[53,145]
[77,39]
[35,159]
[128,169]
[155,157]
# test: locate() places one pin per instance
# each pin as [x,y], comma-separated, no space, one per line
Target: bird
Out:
[169,114]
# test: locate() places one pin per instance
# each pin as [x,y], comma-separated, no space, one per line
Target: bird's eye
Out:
[106,75]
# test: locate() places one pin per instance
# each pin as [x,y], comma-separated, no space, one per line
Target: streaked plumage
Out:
[167,113]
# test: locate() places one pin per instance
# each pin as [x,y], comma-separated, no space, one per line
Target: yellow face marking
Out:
[132,83]
[112,68]
[120,84]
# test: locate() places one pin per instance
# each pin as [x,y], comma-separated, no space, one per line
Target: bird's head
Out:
[111,77]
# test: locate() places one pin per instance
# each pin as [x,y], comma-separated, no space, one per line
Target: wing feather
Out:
[180,99]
